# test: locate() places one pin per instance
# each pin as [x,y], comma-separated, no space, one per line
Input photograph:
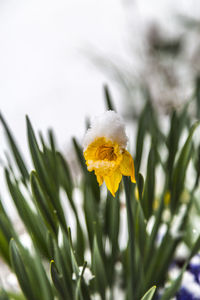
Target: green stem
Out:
[131,233]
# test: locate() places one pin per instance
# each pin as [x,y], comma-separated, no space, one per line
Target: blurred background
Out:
[55,57]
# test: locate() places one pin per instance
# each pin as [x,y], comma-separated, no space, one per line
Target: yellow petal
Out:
[127,166]
[90,152]
[99,179]
[112,182]
[103,156]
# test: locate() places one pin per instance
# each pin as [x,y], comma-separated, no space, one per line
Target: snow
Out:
[108,125]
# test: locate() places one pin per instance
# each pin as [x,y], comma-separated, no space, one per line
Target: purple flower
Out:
[184,294]
[194,267]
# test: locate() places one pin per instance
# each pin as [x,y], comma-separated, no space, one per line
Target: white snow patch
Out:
[175,229]
[108,125]
[60,238]
[195,260]
[174,273]
[87,275]
[12,279]
[96,296]
[100,164]
[150,224]
[161,233]
[182,251]
[26,241]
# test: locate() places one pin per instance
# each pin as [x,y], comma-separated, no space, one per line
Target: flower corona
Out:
[105,151]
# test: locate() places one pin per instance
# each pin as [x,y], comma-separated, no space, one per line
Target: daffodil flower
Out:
[105,151]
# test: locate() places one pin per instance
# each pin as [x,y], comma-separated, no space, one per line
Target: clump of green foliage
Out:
[51,270]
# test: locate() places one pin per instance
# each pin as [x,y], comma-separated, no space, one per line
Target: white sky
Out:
[43,72]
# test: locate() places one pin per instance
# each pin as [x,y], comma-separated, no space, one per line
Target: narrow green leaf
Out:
[131,234]
[79,154]
[197,94]
[45,174]
[161,260]
[16,153]
[22,275]
[108,99]
[50,245]
[140,228]
[111,229]
[65,177]
[149,188]
[33,222]
[178,123]
[90,212]
[6,233]
[80,243]
[179,172]
[98,270]
[58,281]
[52,140]
[15,296]
[89,176]
[195,248]
[149,294]
[78,292]
[73,258]
[3,295]
[141,132]
[4,249]
[43,203]
[62,257]
[140,185]
[114,223]
[172,142]
[150,245]
[171,291]
[37,274]
[36,155]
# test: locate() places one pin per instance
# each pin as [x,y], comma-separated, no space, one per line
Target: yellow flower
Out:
[137,196]
[167,198]
[106,155]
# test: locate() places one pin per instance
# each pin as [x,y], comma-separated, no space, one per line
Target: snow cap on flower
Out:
[108,125]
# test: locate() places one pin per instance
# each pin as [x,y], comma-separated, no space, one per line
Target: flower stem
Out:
[131,233]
